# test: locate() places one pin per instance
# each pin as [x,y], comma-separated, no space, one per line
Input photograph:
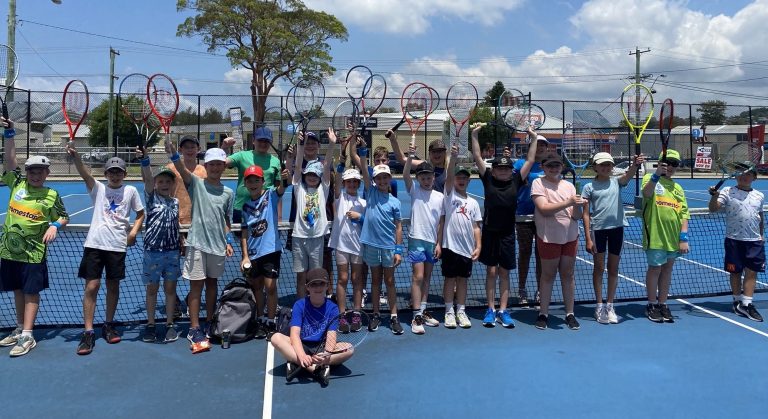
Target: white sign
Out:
[703,158]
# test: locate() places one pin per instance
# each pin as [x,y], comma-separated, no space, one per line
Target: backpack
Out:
[284,321]
[236,312]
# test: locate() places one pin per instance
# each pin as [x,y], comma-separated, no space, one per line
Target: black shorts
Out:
[237,219]
[498,249]
[96,261]
[311,348]
[30,278]
[612,239]
[267,266]
[743,254]
[455,265]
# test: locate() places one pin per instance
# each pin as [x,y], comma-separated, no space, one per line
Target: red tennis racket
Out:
[163,99]
[417,102]
[74,106]
[461,102]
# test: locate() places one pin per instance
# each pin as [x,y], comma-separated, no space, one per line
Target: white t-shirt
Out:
[345,235]
[742,213]
[426,209]
[461,216]
[111,212]
[311,220]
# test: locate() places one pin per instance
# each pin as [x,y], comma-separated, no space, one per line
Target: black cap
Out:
[186,138]
[502,162]
[424,167]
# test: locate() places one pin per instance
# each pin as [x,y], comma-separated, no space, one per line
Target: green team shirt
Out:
[30,210]
[663,214]
[247,158]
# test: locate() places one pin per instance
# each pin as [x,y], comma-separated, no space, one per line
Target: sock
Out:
[609,306]
[392,316]
[448,308]
[27,333]
[423,306]
[461,307]
[417,312]
[736,298]
[569,314]
[599,306]
[745,301]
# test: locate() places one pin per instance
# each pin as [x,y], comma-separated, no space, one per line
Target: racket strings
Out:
[376,91]
[133,97]
[9,66]
[164,103]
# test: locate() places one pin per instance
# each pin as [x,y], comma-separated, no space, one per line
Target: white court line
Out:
[266,411]
[80,212]
[476,196]
[65,196]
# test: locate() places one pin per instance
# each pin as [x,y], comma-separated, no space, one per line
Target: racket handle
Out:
[5,111]
[413,140]
[719,184]
[285,181]
[637,149]
[397,125]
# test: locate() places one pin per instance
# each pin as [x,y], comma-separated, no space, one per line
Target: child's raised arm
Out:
[146,171]
[81,169]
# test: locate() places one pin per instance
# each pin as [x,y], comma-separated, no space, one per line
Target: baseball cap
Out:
[463,170]
[424,167]
[502,162]
[316,275]
[165,171]
[263,133]
[671,155]
[436,145]
[551,158]
[542,138]
[254,171]
[215,154]
[186,138]
[602,157]
[381,168]
[314,167]
[351,174]
[115,163]
[37,161]
[311,135]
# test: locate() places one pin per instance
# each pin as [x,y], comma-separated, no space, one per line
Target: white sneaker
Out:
[611,313]
[450,320]
[464,322]
[417,325]
[429,320]
[602,314]
[12,337]
[24,344]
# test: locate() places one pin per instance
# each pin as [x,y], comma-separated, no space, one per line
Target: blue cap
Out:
[263,133]
[315,167]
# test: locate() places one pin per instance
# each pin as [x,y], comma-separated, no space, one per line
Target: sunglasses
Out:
[553,165]
[316,284]
[673,163]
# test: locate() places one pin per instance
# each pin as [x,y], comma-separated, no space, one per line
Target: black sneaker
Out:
[261,330]
[149,334]
[109,333]
[322,375]
[87,342]
[666,314]
[735,307]
[271,328]
[375,322]
[291,371]
[541,322]
[177,313]
[395,325]
[749,311]
[571,322]
[653,313]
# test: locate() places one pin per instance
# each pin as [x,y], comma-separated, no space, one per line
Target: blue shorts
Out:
[658,257]
[375,256]
[743,254]
[30,278]
[161,264]
[420,251]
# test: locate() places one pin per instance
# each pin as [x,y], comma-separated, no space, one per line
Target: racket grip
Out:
[5,111]
[285,181]
[637,149]
[397,125]
[719,184]
[413,140]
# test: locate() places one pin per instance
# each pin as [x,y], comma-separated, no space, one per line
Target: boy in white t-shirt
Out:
[423,245]
[461,241]
[105,246]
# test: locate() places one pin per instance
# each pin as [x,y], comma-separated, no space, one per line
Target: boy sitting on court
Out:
[423,246]
[312,317]
[105,246]
[161,245]
[260,241]
[209,241]
[35,212]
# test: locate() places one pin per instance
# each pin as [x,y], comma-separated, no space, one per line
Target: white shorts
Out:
[199,265]
[345,258]
[307,253]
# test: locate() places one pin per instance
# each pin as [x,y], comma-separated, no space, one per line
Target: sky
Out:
[556,49]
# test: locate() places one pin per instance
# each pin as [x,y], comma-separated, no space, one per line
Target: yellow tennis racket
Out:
[637,110]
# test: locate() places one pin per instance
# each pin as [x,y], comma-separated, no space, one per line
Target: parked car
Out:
[96,155]
[622,168]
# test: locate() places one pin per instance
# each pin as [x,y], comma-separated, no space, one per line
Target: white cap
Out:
[542,138]
[215,154]
[381,168]
[351,174]
[37,161]
[602,157]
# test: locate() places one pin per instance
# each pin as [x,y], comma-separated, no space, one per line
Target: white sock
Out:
[461,307]
[745,301]
[609,306]
[599,306]
[423,306]
[448,308]
[27,333]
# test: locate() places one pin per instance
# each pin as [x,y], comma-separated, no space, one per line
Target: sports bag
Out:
[236,312]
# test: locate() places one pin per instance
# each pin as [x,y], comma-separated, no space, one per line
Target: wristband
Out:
[230,239]
[655,178]
[9,133]
[175,157]
[144,162]
[398,249]
[55,224]
[684,236]
[340,168]
[362,152]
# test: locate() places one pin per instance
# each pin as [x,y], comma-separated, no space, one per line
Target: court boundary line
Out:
[266,411]
[65,196]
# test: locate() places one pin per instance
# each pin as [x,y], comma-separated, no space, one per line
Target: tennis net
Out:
[696,274]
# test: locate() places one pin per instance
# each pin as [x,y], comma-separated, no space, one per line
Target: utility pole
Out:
[636,53]
[110,127]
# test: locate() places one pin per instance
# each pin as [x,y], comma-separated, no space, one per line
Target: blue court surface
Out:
[702,366]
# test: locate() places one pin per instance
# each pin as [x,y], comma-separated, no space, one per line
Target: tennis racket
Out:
[578,149]
[345,118]
[520,118]
[132,98]
[375,93]
[511,98]
[74,106]
[417,102]
[308,97]
[163,99]
[665,125]
[461,102]
[279,117]
[153,126]
[9,72]
[356,82]
[637,110]
[739,159]
[396,126]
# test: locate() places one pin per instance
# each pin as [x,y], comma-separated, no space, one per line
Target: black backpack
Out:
[284,321]
[236,312]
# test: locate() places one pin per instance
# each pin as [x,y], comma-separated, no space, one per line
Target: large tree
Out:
[98,122]
[274,39]
[712,112]
[492,95]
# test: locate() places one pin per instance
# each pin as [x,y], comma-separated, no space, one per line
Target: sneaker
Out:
[653,313]
[571,322]
[261,330]
[199,343]
[522,296]
[322,375]
[417,325]
[149,334]
[503,317]
[270,328]
[666,314]
[490,318]
[171,333]
[749,311]
[344,324]
[429,319]
[109,333]
[357,322]
[464,322]
[735,307]
[395,325]
[612,317]
[601,314]
[375,322]
[291,370]
[87,342]
[382,299]
[541,322]
[24,344]
[12,337]
[450,320]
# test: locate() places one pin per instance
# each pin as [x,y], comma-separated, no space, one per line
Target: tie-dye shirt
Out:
[162,223]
